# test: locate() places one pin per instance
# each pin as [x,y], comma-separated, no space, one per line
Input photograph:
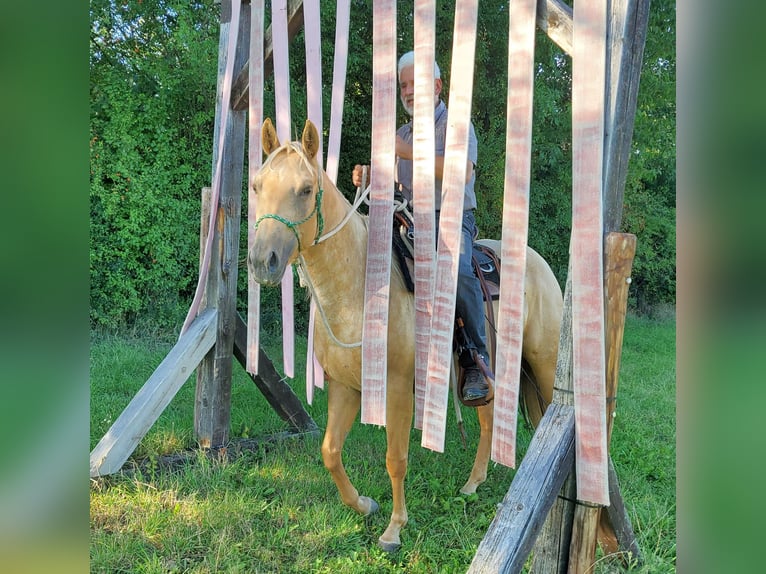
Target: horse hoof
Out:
[388,547]
[374,507]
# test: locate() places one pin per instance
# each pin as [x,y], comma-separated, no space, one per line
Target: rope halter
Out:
[291,225]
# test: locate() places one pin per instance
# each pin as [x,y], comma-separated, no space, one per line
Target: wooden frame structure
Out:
[539,513]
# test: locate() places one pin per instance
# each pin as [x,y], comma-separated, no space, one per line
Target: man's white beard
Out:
[407,108]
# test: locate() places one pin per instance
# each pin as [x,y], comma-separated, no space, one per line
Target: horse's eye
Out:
[307,190]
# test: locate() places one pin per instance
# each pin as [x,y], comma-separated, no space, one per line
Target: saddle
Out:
[486,266]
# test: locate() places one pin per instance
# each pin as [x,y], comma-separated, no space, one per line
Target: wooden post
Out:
[551,550]
[618,258]
[212,411]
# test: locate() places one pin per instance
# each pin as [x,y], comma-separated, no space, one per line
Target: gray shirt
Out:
[404,176]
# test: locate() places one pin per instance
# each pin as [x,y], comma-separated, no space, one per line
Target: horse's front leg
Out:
[342,406]
[399,399]
[483,451]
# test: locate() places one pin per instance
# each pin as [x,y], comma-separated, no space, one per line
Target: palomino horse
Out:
[296,202]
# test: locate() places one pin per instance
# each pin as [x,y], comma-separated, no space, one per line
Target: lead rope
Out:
[306,280]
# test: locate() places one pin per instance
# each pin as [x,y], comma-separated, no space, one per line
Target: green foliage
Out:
[152,92]
[153,69]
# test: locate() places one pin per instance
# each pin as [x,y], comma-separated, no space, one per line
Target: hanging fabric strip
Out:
[588,362]
[254,158]
[450,223]
[423,193]
[518,160]
[342,17]
[225,95]
[311,20]
[282,104]
[378,274]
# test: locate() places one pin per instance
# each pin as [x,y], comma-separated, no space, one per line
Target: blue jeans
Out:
[469,301]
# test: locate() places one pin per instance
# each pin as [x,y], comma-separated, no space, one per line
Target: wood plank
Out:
[588,76]
[450,225]
[147,405]
[541,474]
[340,62]
[423,190]
[313,44]
[554,17]
[620,249]
[551,550]
[518,165]
[619,519]
[274,388]
[255,160]
[240,91]
[212,411]
[627,28]
[281,66]
[378,273]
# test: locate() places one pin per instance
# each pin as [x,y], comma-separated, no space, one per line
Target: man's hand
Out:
[403,149]
[356,175]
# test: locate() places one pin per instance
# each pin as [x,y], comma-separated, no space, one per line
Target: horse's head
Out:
[288,191]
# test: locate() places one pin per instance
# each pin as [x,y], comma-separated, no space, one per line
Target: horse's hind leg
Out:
[342,406]
[479,470]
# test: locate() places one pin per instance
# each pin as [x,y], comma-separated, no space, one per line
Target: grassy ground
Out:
[275,509]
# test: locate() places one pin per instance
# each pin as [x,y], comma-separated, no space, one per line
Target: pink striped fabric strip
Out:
[378,275]
[518,158]
[342,17]
[453,190]
[282,102]
[255,154]
[225,96]
[423,193]
[588,362]
[311,19]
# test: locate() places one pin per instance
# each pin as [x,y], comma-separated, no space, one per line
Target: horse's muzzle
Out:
[268,263]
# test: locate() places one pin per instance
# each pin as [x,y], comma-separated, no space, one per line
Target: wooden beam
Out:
[551,550]
[240,90]
[144,409]
[541,474]
[212,409]
[555,19]
[626,35]
[277,392]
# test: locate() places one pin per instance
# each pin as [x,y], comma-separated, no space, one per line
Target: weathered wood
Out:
[617,515]
[582,550]
[555,19]
[240,90]
[276,391]
[212,411]
[626,34]
[533,491]
[620,248]
[551,551]
[147,405]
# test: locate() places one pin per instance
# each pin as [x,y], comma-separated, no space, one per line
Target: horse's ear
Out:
[310,140]
[269,138]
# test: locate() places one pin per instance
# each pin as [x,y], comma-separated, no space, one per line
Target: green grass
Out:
[276,509]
